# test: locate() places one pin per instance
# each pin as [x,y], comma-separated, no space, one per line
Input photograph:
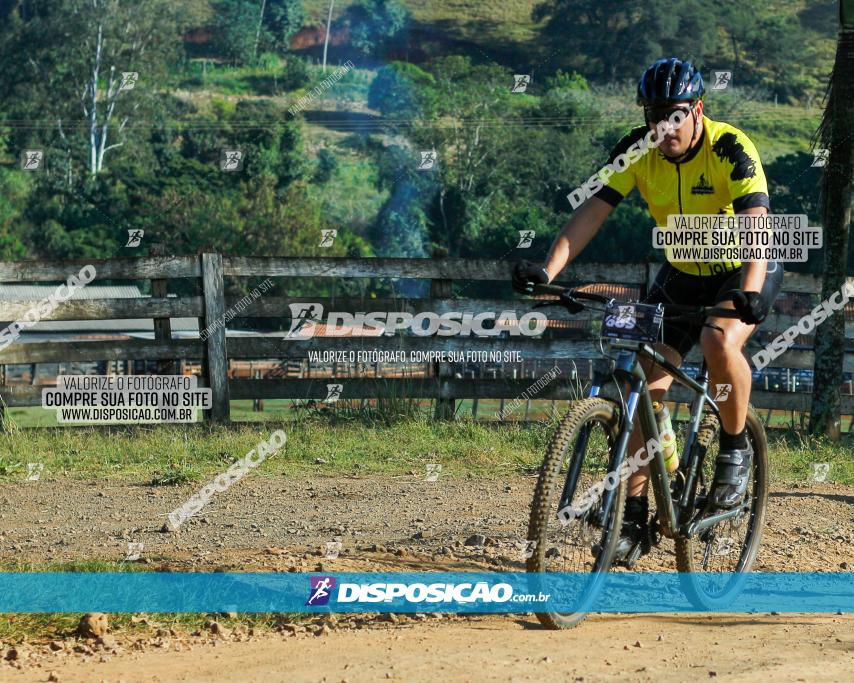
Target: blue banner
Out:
[481,592]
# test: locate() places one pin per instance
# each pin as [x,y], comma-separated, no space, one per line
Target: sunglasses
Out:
[655,115]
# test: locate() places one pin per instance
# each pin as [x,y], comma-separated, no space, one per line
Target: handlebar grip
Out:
[556,290]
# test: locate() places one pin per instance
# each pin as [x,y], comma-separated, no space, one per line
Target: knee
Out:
[718,345]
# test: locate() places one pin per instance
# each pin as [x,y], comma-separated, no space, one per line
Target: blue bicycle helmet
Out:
[669,81]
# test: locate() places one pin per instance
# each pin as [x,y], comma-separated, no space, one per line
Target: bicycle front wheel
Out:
[714,563]
[577,458]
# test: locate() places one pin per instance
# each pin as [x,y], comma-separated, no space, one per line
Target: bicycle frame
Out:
[675,514]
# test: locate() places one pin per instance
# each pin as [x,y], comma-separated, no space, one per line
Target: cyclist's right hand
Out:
[526,275]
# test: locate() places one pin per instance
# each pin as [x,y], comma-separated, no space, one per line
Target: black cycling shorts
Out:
[672,286]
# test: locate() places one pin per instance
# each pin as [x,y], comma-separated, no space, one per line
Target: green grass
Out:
[339,443]
[460,19]
[179,454]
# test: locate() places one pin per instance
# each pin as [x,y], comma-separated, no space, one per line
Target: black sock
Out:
[637,508]
[732,441]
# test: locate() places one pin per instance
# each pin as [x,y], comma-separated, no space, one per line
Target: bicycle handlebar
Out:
[675,310]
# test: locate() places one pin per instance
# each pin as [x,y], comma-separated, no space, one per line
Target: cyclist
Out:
[700,167]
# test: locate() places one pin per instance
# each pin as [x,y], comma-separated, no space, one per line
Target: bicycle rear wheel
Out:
[582,446]
[730,546]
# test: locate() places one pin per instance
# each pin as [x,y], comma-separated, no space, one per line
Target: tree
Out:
[285,18]
[835,135]
[238,27]
[88,67]
[611,39]
[247,28]
[374,23]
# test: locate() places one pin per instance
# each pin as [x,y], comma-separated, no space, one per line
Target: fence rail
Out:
[215,351]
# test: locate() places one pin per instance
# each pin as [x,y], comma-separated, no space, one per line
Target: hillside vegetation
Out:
[419,76]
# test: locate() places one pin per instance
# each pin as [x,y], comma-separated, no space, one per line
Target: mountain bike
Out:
[569,533]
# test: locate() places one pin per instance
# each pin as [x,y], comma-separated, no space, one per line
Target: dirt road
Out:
[401,523]
[671,648]
[381,522]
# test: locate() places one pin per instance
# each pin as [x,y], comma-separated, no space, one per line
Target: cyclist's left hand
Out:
[526,275]
[750,306]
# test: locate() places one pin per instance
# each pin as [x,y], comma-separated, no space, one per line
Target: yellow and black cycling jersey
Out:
[721,174]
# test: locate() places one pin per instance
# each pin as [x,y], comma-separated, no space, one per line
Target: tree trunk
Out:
[328,27]
[835,135]
[258,30]
[93,112]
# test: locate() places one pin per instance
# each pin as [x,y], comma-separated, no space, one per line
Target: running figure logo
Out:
[520,82]
[135,237]
[721,79]
[722,391]
[526,238]
[333,392]
[327,237]
[231,160]
[129,79]
[428,159]
[819,471]
[31,159]
[304,319]
[321,590]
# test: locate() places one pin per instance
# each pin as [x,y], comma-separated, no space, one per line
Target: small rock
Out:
[55,645]
[475,539]
[53,677]
[92,625]
[108,642]
[218,629]
[638,643]
[319,461]
[13,654]
[844,565]
[229,615]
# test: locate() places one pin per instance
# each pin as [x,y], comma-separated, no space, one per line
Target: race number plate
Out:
[635,322]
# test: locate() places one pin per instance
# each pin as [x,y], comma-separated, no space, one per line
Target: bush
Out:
[294,74]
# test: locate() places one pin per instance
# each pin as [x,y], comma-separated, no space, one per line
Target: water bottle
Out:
[666,435]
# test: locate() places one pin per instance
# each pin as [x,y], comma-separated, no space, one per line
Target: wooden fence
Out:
[215,351]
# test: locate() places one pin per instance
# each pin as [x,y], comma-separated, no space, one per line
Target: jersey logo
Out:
[703,186]
[728,148]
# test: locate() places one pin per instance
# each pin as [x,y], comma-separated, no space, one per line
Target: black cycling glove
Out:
[526,275]
[751,306]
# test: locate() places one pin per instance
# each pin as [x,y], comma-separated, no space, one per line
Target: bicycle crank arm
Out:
[694,527]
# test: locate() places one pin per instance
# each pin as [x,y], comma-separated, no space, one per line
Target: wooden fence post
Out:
[445,407]
[162,326]
[216,354]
